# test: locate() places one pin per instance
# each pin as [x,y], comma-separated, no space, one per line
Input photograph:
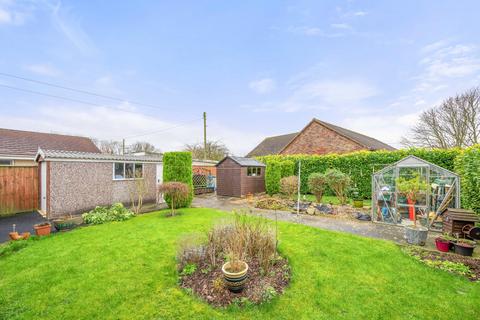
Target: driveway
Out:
[362,228]
[23,222]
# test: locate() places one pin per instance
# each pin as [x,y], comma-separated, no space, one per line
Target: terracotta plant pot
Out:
[416,235]
[43,229]
[442,244]
[235,281]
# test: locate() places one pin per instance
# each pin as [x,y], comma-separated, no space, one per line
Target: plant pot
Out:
[43,229]
[416,235]
[358,203]
[442,244]
[464,249]
[235,281]
[63,225]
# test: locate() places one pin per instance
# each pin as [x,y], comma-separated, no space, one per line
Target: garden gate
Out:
[18,189]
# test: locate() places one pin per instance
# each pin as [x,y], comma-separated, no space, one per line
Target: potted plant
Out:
[357,200]
[464,247]
[411,189]
[235,273]
[42,229]
[443,242]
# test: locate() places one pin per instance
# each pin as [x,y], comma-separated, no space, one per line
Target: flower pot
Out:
[42,229]
[464,249]
[358,203]
[63,225]
[442,245]
[235,281]
[416,235]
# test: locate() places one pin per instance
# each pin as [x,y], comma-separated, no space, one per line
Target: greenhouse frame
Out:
[436,190]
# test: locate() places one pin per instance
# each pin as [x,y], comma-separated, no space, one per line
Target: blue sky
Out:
[258,68]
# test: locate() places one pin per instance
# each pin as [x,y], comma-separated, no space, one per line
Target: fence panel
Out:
[18,189]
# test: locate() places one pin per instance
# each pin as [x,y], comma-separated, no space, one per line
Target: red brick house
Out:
[318,137]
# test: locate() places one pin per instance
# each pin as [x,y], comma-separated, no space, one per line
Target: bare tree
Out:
[216,150]
[454,123]
[109,146]
[142,146]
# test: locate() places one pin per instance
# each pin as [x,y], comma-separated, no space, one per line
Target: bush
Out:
[359,165]
[276,170]
[289,186]
[99,215]
[287,168]
[467,165]
[317,183]
[177,166]
[177,192]
[339,182]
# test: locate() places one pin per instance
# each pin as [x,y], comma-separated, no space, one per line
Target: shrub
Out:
[273,174]
[339,182]
[177,192]
[177,166]
[190,250]
[317,183]
[289,186]
[287,168]
[467,165]
[99,215]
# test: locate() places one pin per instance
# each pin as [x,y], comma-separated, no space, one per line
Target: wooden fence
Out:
[18,189]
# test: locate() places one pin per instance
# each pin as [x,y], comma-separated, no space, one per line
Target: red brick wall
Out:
[317,139]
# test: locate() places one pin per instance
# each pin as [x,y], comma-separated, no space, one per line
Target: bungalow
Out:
[19,148]
[318,137]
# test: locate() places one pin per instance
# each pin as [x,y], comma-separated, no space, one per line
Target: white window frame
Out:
[135,164]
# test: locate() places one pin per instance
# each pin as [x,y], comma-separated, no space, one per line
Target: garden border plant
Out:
[177,166]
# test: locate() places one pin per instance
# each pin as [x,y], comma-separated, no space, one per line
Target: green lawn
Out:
[333,199]
[126,270]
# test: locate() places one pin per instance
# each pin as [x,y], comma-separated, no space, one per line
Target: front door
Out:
[159,182]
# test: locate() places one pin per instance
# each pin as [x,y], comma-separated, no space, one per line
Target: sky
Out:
[257,68]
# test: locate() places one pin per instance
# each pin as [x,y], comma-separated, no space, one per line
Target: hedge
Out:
[177,166]
[467,165]
[358,165]
[275,171]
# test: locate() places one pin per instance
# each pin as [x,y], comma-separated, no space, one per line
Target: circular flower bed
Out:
[244,239]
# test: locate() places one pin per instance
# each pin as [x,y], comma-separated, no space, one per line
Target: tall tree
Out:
[216,150]
[109,146]
[142,146]
[454,123]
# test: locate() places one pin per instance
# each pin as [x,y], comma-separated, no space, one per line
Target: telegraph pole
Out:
[123,146]
[204,135]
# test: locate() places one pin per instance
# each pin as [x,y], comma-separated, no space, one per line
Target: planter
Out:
[442,244]
[464,249]
[235,281]
[416,235]
[63,225]
[43,229]
[358,203]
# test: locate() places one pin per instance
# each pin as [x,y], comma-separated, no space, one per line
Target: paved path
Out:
[23,222]
[362,228]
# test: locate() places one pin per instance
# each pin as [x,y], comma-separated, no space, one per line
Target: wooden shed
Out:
[238,176]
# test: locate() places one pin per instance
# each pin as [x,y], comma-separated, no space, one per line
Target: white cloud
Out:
[15,13]
[315,32]
[262,86]
[43,69]
[343,26]
[360,13]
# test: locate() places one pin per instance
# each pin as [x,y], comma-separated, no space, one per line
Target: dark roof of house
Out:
[92,156]
[26,143]
[244,162]
[274,145]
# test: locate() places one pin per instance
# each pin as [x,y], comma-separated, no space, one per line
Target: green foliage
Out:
[467,165]
[177,166]
[12,246]
[317,183]
[339,182]
[276,170]
[411,187]
[269,293]
[360,165]
[289,186]
[99,215]
[287,168]
[189,269]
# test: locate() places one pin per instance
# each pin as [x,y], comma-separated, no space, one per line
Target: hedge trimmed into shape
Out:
[467,165]
[177,166]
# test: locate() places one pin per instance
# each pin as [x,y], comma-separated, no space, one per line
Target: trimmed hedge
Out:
[275,171]
[467,165]
[358,165]
[177,166]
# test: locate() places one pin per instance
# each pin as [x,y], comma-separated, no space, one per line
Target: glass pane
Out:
[139,170]
[119,170]
[129,170]
[259,171]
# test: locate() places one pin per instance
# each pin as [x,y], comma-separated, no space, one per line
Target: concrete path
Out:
[23,222]
[362,228]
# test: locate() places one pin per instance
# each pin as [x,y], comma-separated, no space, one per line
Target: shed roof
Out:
[59,155]
[244,162]
[26,143]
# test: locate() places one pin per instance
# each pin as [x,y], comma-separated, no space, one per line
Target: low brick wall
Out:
[76,187]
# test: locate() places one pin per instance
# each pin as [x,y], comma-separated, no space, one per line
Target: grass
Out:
[333,200]
[126,270]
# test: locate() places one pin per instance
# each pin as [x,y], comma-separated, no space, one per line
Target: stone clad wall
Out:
[76,187]
[317,139]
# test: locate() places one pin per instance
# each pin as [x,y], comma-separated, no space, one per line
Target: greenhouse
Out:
[414,191]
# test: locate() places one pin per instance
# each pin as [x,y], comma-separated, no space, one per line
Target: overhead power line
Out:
[162,130]
[91,93]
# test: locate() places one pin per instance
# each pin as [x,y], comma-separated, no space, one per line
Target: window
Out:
[254,171]
[6,162]
[122,171]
